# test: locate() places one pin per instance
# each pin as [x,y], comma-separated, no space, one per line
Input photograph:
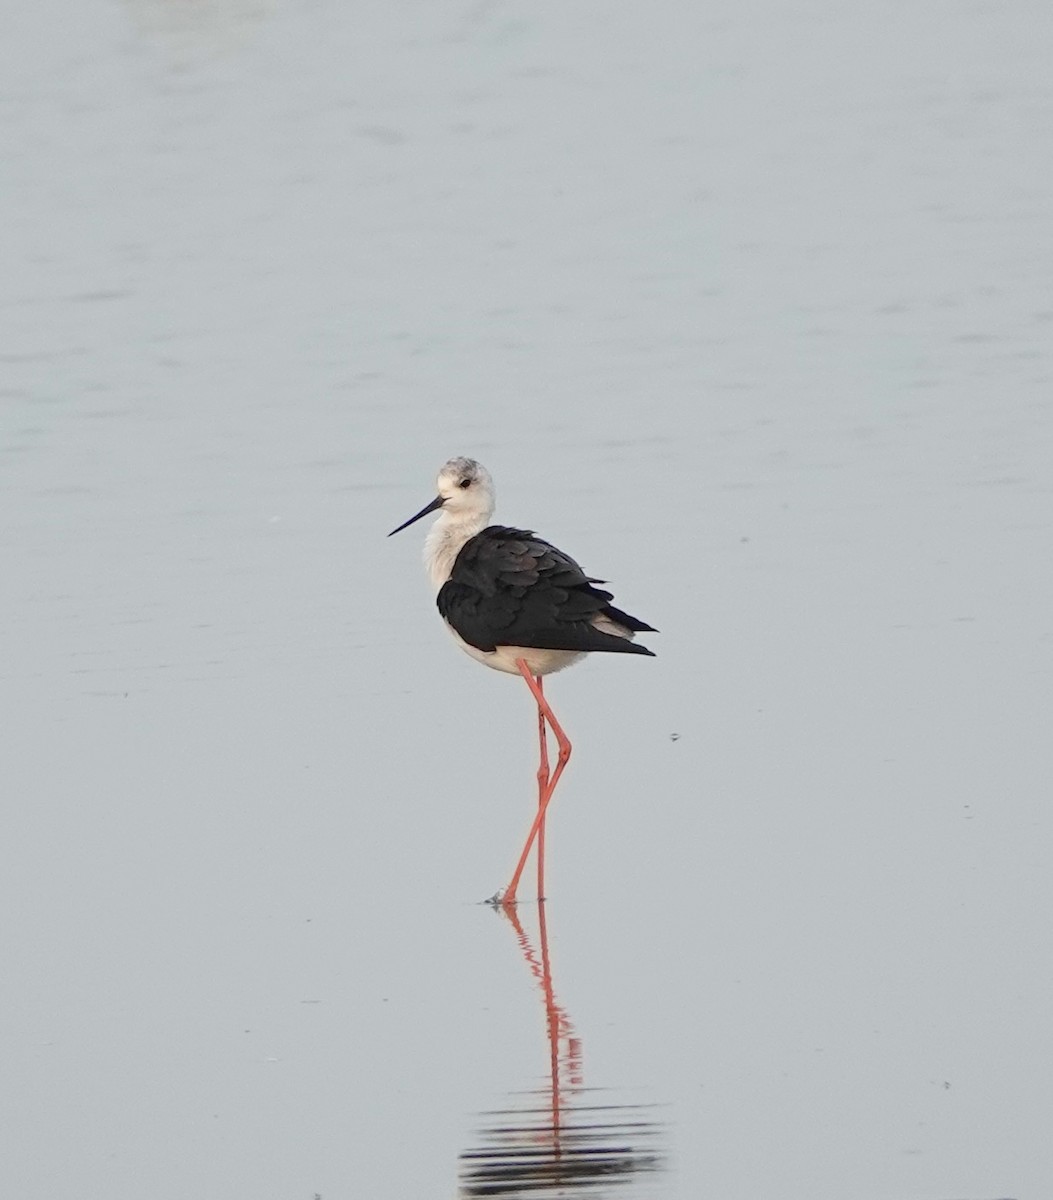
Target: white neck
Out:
[445,539]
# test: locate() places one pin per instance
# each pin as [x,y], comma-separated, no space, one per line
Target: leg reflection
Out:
[562,1137]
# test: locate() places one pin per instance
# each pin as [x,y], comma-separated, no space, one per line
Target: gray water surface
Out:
[748,307]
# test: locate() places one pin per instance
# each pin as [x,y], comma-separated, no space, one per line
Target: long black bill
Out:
[436,503]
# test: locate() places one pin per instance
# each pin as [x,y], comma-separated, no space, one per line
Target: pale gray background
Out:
[749,306]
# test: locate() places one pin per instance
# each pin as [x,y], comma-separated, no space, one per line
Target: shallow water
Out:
[747,308]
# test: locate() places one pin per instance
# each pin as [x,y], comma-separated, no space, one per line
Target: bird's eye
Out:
[466,483]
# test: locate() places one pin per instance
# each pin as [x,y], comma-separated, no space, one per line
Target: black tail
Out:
[581,636]
[633,623]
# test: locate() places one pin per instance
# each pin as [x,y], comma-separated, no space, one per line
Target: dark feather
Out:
[508,587]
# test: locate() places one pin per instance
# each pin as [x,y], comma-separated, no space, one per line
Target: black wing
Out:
[508,587]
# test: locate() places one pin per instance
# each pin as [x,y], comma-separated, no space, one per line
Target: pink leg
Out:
[546,794]
[542,784]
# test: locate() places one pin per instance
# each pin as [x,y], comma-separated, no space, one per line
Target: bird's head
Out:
[465,492]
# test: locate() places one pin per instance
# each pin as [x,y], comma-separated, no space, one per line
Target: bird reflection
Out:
[560,1138]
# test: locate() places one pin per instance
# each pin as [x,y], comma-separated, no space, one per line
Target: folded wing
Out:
[508,587]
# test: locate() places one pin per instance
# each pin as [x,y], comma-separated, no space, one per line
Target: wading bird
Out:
[517,604]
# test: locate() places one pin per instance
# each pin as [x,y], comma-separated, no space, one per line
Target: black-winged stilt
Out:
[517,604]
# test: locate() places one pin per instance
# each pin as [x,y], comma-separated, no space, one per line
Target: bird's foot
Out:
[501,899]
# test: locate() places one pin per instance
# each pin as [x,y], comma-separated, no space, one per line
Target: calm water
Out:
[748,306]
